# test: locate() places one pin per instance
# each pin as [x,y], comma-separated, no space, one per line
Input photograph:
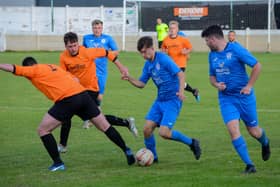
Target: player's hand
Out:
[221,86]
[125,77]
[246,90]
[181,96]
[124,71]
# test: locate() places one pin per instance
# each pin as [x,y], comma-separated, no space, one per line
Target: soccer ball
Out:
[144,157]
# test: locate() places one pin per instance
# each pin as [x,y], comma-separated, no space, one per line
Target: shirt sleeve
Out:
[25,71]
[244,55]
[145,75]
[211,69]
[112,44]
[187,43]
[100,52]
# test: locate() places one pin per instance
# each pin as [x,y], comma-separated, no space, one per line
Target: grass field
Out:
[92,160]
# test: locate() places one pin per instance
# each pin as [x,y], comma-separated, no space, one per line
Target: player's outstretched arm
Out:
[7,67]
[134,81]
[123,70]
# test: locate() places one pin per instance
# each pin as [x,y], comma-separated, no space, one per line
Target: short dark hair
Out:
[231,31]
[29,61]
[96,22]
[145,41]
[213,30]
[70,37]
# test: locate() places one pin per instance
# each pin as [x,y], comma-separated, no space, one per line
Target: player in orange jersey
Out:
[70,98]
[79,61]
[179,48]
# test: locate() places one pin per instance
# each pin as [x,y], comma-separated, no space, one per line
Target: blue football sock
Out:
[263,139]
[180,137]
[150,144]
[241,148]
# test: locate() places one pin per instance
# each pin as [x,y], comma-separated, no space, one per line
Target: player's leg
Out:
[152,121]
[128,122]
[250,118]
[188,88]
[240,146]
[194,91]
[94,95]
[92,112]
[64,135]
[149,138]
[171,110]
[260,135]
[231,116]
[47,125]
[114,120]
[102,80]
[103,125]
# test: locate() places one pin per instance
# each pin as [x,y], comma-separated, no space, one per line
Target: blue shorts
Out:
[165,113]
[236,108]
[102,79]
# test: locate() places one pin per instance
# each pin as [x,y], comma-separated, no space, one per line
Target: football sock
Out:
[180,137]
[116,121]
[115,137]
[241,148]
[64,132]
[150,144]
[51,146]
[189,88]
[263,139]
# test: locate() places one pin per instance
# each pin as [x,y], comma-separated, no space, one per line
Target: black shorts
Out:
[81,105]
[94,96]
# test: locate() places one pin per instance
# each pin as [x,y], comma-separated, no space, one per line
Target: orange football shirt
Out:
[51,80]
[174,47]
[82,65]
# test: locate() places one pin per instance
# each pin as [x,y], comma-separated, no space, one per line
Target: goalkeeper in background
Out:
[162,31]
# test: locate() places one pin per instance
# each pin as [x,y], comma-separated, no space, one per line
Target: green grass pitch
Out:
[92,160]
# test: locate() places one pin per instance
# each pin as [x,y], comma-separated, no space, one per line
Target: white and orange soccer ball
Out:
[144,157]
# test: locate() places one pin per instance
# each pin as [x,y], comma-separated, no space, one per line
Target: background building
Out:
[38,25]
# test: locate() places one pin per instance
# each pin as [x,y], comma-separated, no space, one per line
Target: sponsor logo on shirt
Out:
[229,55]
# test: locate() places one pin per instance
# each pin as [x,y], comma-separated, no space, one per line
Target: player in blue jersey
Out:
[170,81]
[99,40]
[227,71]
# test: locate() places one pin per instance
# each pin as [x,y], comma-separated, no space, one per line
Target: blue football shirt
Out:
[163,72]
[228,66]
[103,41]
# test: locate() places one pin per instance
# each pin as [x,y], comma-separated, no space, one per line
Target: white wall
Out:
[77,19]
